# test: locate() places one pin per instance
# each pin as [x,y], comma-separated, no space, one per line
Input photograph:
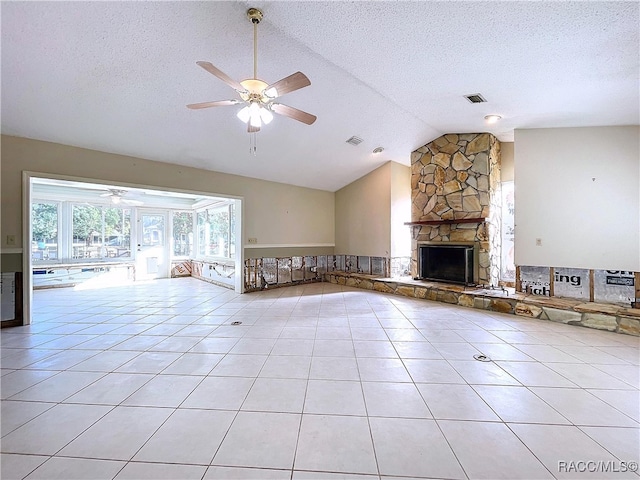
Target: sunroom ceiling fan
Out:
[118,196]
[257,95]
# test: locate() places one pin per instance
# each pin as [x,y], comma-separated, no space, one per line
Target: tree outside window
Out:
[101,231]
[183,234]
[44,231]
[216,231]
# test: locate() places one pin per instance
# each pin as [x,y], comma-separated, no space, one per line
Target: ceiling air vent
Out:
[475,98]
[355,140]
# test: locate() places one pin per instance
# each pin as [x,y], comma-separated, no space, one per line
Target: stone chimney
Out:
[457,177]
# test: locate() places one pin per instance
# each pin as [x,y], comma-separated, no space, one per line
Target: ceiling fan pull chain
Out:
[253,144]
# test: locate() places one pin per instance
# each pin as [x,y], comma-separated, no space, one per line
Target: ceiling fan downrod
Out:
[255,16]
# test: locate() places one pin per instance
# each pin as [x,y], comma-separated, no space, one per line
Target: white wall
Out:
[578,191]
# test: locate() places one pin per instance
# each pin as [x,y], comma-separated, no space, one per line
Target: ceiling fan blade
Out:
[294,113]
[222,76]
[288,84]
[252,129]
[219,103]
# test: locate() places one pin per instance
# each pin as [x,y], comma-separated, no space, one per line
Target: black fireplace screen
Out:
[447,263]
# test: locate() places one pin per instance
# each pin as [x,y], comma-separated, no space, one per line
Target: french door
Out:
[152,246]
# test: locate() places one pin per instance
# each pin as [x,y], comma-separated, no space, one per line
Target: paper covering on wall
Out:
[535,280]
[8,295]
[614,286]
[571,282]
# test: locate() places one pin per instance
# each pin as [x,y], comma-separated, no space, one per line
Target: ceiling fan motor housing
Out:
[254,15]
[255,90]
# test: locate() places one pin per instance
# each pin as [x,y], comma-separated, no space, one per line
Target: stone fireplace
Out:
[455,200]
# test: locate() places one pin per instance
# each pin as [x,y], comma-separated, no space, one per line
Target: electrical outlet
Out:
[252,240]
[538,242]
[11,239]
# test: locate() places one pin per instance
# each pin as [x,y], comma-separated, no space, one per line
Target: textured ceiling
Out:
[116,76]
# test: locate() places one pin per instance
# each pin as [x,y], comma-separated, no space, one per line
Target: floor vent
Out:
[481,358]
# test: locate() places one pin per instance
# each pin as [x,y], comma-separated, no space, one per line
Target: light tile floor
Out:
[153,381]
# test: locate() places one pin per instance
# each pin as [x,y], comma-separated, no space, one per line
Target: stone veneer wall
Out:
[457,176]
[612,318]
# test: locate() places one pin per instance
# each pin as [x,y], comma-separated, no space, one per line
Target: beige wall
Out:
[400,210]
[506,161]
[578,191]
[363,211]
[278,215]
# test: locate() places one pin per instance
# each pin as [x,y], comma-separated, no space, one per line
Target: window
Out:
[117,238]
[182,234]
[508,268]
[44,231]
[100,232]
[152,230]
[216,231]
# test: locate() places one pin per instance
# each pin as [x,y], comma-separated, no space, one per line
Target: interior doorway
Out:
[84,231]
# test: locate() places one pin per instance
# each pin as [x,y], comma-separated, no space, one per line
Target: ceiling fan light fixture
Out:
[254,115]
[266,116]
[243,114]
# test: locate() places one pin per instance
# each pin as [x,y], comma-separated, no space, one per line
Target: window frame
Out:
[101,258]
[230,206]
[65,231]
[172,237]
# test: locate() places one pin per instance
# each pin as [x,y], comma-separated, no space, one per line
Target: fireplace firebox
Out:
[447,263]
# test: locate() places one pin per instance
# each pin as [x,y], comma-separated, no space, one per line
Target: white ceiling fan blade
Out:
[288,84]
[294,113]
[114,192]
[222,76]
[219,103]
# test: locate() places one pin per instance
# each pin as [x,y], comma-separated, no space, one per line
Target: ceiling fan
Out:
[118,196]
[257,95]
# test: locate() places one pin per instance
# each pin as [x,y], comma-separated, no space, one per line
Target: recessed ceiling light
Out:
[492,118]
[378,150]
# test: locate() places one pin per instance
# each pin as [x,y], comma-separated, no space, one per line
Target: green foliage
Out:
[44,223]
[117,221]
[182,223]
[86,220]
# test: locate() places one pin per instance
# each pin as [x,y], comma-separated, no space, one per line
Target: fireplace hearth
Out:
[447,263]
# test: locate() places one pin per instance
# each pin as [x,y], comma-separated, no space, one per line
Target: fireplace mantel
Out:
[448,222]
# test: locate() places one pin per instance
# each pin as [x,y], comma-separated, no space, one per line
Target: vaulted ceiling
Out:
[116,76]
